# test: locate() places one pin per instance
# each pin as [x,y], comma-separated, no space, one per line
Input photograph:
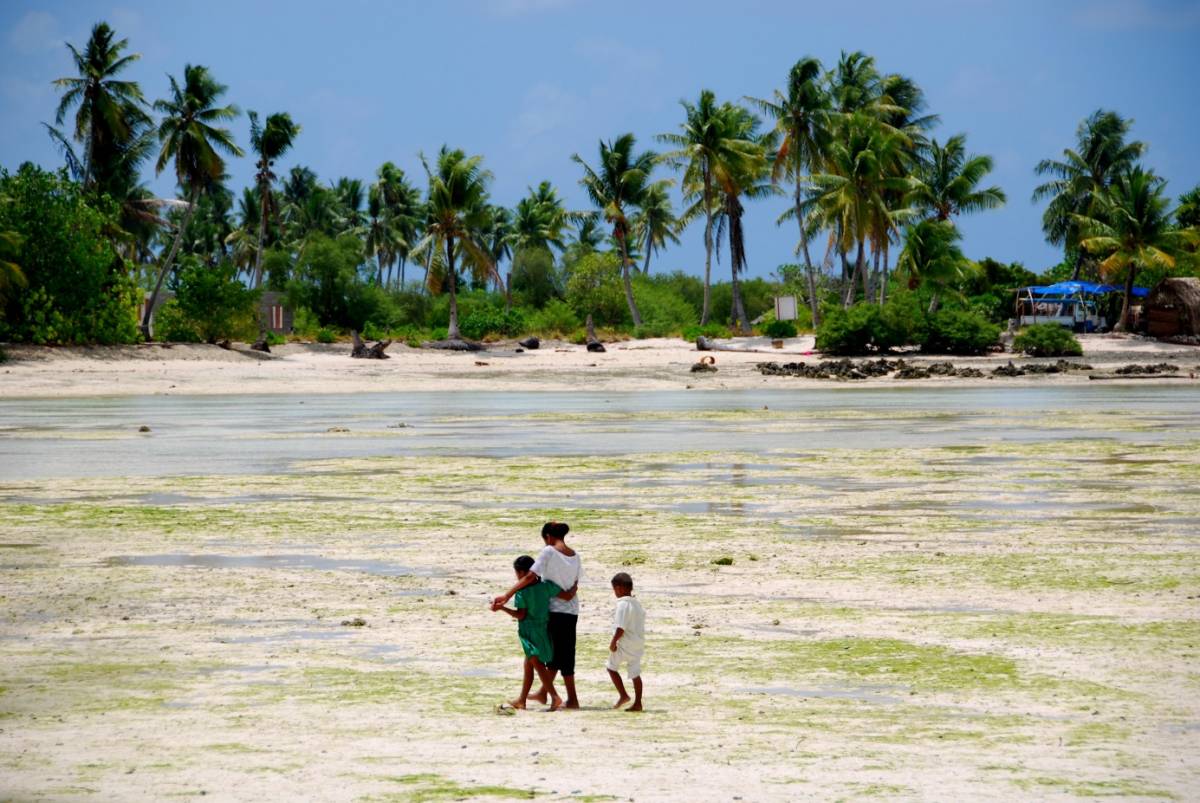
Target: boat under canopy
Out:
[1070,304]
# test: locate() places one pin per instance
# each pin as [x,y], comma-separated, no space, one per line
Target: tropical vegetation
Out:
[844,155]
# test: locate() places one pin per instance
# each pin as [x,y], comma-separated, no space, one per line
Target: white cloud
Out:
[545,108]
[1121,15]
[36,31]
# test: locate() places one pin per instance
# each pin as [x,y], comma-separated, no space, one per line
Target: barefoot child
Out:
[628,641]
[532,614]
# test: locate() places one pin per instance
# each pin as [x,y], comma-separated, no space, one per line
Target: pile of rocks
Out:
[831,369]
[1145,370]
[1060,367]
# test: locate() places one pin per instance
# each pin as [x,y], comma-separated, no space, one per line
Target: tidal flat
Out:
[904,595]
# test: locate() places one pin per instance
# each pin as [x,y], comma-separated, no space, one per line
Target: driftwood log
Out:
[261,344]
[531,343]
[453,345]
[362,351]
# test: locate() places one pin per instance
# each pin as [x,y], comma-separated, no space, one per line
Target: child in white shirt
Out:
[628,641]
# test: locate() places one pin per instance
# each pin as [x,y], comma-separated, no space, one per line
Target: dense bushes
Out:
[952,331]
[594,288]
[779,329]
[77,289]
[868,328]
[556,318]
[326,281]
[1047,340]
[210,304]
[485,321]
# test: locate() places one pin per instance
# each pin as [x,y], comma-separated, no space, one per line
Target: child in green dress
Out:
[532,612]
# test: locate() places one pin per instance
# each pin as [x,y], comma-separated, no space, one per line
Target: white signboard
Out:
[785,308]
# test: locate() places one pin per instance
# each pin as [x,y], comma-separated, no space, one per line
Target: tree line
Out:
[848,149]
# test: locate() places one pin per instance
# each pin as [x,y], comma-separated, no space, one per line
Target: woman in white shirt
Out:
[559,564]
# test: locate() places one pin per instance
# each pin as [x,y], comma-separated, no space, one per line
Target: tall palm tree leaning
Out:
[803,123]
[270,141]
[457,211]
[1081,177]
[616,187]
[191,140]
[695,148]
[1130,228]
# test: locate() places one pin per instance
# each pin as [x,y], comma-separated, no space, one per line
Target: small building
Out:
[274,315]
[1173,308]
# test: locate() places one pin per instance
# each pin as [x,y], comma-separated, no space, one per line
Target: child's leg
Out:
[637,694]
[526,682]
[542,693]
[547,683]
[616,679]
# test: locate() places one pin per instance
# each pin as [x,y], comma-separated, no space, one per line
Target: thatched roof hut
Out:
[1173,308]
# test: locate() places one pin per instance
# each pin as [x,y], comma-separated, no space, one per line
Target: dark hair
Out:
[623,580]
[555,529]
[523,563]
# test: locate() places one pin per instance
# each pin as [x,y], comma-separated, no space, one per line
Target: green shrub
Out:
[534,277]
[485,321]
[326,335]
[850,331]
[372,332]
[595,287]
[556,318]
[1047,340]
[779,329]
[709,330]
[952,331]
[214,303]
[171,325]
[77,288]
[275,340]
[663,311]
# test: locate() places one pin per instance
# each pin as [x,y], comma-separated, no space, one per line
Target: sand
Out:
[983,620]
[658,364]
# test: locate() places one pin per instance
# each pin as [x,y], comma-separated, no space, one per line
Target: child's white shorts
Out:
[623,656]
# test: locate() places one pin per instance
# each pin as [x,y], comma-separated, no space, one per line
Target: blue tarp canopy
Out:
[1090,288]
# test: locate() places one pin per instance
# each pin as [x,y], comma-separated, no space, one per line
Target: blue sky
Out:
[527,83]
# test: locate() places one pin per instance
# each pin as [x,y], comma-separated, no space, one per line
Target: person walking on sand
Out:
[628,641]
[531,610]
[561,565]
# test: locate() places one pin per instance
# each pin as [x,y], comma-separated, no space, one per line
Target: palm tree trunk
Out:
[262,235]
[813,304]
[633,310]
[403,260]
[708,249]
[646,263]
[1078,265]
[934,302]
[875,283]
[858,269]
[739,309]
[452,332]
[883,277]
[1124,324]
[166,267]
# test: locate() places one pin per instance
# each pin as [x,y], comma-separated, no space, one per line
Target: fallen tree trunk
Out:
[362,351]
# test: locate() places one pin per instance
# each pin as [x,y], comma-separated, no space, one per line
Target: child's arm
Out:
[612,646]
[569,594]
[526,581]
[516,613]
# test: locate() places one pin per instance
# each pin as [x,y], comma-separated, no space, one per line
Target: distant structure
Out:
[1173,308]
[274,315]
[163,297]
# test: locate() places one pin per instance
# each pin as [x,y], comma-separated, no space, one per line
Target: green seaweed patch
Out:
[429,788]
[1119,787]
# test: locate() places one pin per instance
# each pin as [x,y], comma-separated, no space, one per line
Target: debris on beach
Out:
[1159,368]
[596,346]
[705,365]
[337,430]
[531,343]
[143,428]
[357,621]
[453,345]
[362,351]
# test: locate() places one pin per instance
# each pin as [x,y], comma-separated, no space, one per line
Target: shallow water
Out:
[207,435]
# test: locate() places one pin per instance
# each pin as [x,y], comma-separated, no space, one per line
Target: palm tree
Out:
[539,220]
[804,125]
[931,256]
[696,149]
[655,222]
[403,201]
[1187,214]
[381,238]
[111,111]
[862,172]
[1130,229]
[497,239]
[190,139]
[457,209]
[947,182]
[270,142]
[349,196]
[616,187]
[1081,177]
[855,83]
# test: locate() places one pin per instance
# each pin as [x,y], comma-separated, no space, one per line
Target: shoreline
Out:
[48,372]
